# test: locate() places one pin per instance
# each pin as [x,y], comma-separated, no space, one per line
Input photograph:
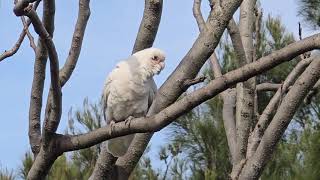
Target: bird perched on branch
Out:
[129,91]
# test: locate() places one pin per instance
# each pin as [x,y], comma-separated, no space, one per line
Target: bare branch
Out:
[77,39]
[14,49]
[280,121]
[17,45]
[312,93]
[31,39]
[237,43]
[189,82]
[149,25]
[104,168]
[228,110]
[54,70]
[215,66]
[167,115]
[38,78]
[187,69]
[258,21]
[266,115]
[245,90]
[198,15]
[268,87]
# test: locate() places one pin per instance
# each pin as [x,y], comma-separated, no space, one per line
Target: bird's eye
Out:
[155,58]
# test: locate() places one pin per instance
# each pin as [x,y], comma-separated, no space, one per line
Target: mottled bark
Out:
[272,106]
[38,78]
[290,103]
[246,90]
[168,114]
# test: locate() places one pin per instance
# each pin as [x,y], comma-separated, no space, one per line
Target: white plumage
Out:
[129,91]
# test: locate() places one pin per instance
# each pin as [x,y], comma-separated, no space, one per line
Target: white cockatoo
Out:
[128,92]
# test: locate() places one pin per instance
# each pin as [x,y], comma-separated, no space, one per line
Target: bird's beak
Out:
[162,65]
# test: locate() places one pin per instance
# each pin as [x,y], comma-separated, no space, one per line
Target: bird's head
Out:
[151,60]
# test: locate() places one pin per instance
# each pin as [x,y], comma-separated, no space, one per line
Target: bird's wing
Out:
[105,95]
[152,92]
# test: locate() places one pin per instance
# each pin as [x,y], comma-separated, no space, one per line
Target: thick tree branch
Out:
[105,168]
[291,102]
[312,93]
[237,43]
[149,25]
[38,78]
[76,44]
[145,38]
[246,90]
[54,70]
[187,69]
[271,108]
[167,115]
[228,109]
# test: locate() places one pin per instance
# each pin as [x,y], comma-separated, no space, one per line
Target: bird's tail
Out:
[119,146]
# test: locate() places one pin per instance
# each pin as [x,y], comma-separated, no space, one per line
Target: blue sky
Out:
[110,35]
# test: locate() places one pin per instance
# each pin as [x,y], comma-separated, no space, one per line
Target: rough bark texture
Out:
[272,106]
[246,90]
[38,79]
[248,157]
[254,166]
[167,115]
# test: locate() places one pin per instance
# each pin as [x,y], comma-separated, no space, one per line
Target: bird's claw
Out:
[128,120]
[112,123]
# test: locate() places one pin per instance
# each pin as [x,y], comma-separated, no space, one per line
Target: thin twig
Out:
[15,48]
[31,39]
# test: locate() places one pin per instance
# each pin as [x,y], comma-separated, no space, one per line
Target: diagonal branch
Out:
[17,45]
[76,44]
[312,93]
[170,113]
[280,121]
[31,39]
[266,115]
[234,32]
[187,69]
[198,15]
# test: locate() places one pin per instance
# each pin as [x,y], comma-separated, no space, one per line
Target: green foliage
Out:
[78,164]
[309,10]
[200,137]
[6,174]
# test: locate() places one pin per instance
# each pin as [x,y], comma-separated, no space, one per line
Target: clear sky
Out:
[109,37]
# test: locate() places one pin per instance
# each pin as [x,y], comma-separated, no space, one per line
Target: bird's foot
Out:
[112,123]
[128,120]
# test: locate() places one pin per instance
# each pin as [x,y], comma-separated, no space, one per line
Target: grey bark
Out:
[272,106]
[146,35]
[39,77]
[254,166]
[246,90]
[168,114]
